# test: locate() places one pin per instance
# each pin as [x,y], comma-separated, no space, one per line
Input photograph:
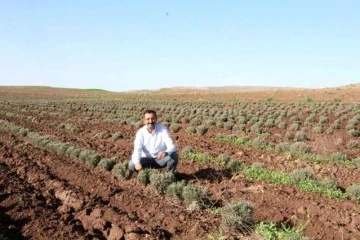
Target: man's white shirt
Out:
[148,144]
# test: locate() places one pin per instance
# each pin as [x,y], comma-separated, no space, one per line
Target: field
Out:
[293,155]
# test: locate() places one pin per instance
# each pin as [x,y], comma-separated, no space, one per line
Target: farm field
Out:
[292,154]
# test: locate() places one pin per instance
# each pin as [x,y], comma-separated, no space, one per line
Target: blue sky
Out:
[130,45]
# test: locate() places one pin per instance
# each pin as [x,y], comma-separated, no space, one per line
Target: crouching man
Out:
[153,146]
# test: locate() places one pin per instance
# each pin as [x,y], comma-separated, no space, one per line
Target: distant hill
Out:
[344,93]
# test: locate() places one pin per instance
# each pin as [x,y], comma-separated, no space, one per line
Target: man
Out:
[153,146]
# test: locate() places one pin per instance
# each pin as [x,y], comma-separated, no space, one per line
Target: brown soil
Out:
[46,196]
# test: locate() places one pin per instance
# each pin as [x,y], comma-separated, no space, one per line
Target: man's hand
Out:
[161,155]
[138,166]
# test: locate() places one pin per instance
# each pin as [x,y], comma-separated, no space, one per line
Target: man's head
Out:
[150,119]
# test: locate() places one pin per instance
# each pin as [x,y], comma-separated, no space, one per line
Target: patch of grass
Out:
[200,157]
[301,178]
[264,174]
[244,142]
[275,231]
[338,157]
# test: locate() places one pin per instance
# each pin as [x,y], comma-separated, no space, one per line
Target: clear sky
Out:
[128,45]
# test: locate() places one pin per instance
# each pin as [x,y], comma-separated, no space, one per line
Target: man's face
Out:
[150,120]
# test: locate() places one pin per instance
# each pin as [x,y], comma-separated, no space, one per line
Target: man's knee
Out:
[174,156]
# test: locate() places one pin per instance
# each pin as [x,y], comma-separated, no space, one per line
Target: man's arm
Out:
[170,146]
[137,151]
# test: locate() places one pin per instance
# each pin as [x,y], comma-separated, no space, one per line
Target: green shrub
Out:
[353,132]
[237,216]
[161,181]
[289,135]
[201,130]
[196,194]
[106,163]
[353,192]
[103,135]
[300,147]
[84,154]
[75,153]
[282,147]
[256,129]
[175,189]
[282,125]
[318,128]
[60,148]
[256,165]
[299,175]
[337,157]
[222,159]
[356,161]
[353,144]
[229,125]
[260,142]
[235,165]
[190,130]
[121,170]
[143,176]
[294,127]
[117,136]
[327,183]
[300,136]
[175,128]
[93,159]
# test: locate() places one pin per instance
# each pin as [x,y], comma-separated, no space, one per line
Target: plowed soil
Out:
[47,196]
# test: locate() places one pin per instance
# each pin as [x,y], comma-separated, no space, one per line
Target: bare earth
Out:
[47,196]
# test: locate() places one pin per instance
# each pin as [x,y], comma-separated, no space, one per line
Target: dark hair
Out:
[150,111]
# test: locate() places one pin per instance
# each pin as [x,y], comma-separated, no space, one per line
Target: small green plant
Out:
[117,136]
[299,175]
[356,161]
[276,231]
[196,194]
[175,189]
[102,135]
[282,147]
[201,130]
[93,159]
[353,192]
[338,157]
[353,144]
[235,165]
[223,159]
[175,127]
[190,130]
[237,216]
[160,181]
[143,176]
[121,170]
[327,183]
[300,147]
[106,163]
